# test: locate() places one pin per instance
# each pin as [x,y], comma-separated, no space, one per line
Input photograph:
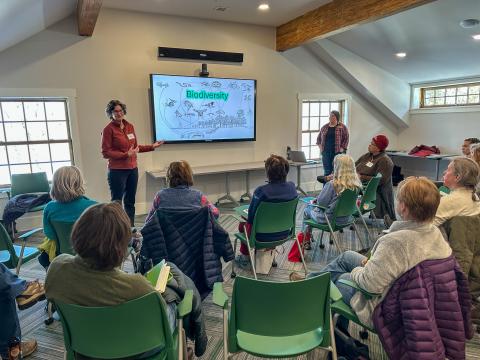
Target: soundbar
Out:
[202,55]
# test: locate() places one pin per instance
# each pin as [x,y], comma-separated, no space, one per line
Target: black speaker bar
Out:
[202,55]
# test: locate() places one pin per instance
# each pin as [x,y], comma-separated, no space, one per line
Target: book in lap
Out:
[159,275]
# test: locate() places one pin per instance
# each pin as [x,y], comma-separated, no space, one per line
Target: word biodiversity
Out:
[220,95]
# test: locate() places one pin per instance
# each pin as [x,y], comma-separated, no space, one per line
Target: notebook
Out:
[159,276]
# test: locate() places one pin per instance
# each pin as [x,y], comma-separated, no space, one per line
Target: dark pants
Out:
[327,160]
[123,186]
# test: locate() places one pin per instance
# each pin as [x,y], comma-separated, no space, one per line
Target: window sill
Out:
[447,109]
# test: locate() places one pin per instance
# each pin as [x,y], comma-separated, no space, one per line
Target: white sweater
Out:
[458,203]
[408,244]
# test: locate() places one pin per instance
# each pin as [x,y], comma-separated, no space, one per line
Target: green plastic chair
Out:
[27,184]
[63,230]
[134,327]
[270,217]
[346,206]
[13,256]
[368,201]
[277,319]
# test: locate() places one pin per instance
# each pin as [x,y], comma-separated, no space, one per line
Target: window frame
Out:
[67,96]
[345,103]
[424,89]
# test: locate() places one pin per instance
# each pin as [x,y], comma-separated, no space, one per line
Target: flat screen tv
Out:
[189,109]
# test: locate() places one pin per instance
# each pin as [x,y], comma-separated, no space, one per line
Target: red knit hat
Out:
[381,141]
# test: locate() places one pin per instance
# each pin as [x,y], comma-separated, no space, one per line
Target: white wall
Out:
[116,62]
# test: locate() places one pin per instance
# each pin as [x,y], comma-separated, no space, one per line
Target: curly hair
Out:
[111,105]
[277,168]
[344,174]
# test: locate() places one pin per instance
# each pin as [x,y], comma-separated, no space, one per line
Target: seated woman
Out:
[179,194]
[410,241]
[374,162]
[462,178]
[69,201]
[276,190]
[344,177]
[93,278]
[475,153]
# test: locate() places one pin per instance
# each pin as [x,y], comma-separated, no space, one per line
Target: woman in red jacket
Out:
[120,147]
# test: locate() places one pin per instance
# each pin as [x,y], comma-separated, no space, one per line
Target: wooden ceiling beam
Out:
[338,16]
[87,14]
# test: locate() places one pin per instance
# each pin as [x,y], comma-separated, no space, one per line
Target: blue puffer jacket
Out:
[192,240]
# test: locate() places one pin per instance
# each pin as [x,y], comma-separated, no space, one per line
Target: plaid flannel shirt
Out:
[341,137]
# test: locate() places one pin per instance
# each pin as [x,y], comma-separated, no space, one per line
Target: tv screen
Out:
[199,109]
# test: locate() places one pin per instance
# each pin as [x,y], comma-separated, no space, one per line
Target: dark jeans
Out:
[10,287]
[123,186]
[327,160]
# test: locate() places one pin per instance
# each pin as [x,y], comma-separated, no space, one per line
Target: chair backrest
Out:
[128,329]
[280,309]
[63,230]
[346,204]
[29,183]
[6,244]
[370,194]
[274,217]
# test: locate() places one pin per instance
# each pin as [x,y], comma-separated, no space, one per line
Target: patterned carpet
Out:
[50,338]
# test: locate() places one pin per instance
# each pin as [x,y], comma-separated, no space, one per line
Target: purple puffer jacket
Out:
[426,313]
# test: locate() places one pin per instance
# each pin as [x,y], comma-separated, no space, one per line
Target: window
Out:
[451,95]
[315,114]
[34,136]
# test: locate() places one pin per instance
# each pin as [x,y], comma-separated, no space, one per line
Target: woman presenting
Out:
[332,140]
[120,147]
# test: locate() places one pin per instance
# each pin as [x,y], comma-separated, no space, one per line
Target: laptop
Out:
[297,156]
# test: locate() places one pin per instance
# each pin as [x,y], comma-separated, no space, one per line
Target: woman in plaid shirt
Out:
[332,140]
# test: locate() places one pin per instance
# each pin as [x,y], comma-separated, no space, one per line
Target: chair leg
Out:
[358,235]
[180,339]
[332,338]
[233,274]
[225,334]
[49,319]
[252,259]
[20,258]
[364,224]
[321,246]
[302,257]
[335,240]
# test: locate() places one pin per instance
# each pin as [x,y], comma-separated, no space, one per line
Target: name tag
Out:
[369,164]
[131,136]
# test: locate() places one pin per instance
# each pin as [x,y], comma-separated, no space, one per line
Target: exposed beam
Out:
[338,16]
[87,14]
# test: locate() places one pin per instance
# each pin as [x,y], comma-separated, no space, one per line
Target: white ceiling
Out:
[437,47]
[242,11]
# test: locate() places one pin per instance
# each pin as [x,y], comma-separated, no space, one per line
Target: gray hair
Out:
[67,184]
[468,172]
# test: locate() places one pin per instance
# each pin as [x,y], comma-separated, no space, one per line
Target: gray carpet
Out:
[50,338]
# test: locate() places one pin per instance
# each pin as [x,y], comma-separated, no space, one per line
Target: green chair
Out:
[27,184]
[346,206]
[368,201]
[63,230]
[277,319]
[134,327]
[270,217]
[14,255]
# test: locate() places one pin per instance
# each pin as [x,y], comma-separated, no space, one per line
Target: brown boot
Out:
[28,347]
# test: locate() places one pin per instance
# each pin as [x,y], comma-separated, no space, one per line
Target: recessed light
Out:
[401,54]
[476,37]
[263,7]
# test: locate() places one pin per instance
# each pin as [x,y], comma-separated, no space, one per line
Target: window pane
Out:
[305,124]
[429,94]
[60,151]
[325,109]
[461,100]
[55,110]
[323,120]
[3,157]
[429,102]
[462,90]
[12,111]
[15,131]
[439,92]
[450,100]
[440,101]
[305,106]
[315,123]
[473,99]
[43,167]
[2,134]
[34,111]
[474,90]
[306,150]
[305,139]
[335,106]
[314,109]
[313,138]
[37,131]
[451,91]
[315,152]
[56,165]
[57,130]
[39,153]
[20,169]
[4,175]
[18,154]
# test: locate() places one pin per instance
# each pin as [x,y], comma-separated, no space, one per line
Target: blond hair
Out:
[468,172]
[344,174]
[420,196]
[67,184]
